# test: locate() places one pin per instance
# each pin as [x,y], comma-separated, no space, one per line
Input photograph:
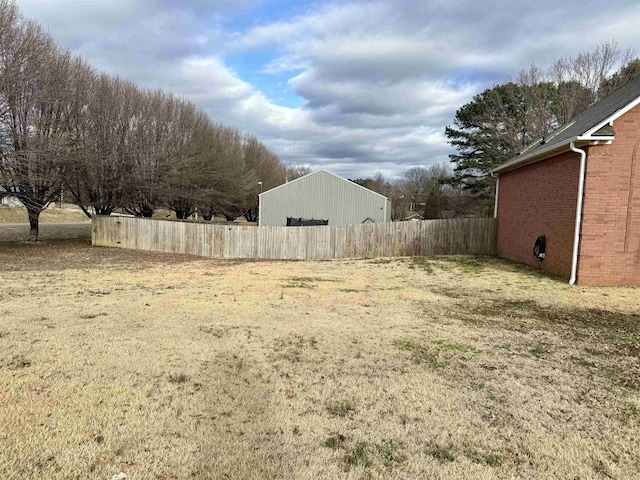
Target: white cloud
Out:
[379,80]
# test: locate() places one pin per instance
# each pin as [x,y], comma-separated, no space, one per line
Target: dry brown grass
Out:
[53,214]
[55,223]
[174,367]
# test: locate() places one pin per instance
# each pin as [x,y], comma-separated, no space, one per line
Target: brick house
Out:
[580,189]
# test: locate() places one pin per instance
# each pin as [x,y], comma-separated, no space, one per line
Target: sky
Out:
[353,87]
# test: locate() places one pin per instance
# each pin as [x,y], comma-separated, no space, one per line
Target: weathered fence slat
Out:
[474,236]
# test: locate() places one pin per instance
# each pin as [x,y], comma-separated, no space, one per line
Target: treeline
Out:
[499,122]
[108,144]
[430,192]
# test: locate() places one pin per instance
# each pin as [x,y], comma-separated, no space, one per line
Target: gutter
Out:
[519,159]
[543,153]
[576,234]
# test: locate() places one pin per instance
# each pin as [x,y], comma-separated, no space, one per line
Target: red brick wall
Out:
[539,199]
[610,243]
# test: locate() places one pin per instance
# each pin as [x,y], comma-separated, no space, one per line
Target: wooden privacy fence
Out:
[475,236]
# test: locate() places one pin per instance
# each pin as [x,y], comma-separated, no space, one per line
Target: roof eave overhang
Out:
[552,150]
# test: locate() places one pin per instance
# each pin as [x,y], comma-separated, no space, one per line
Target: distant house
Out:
[415,217]
[325,197]
[580,190]
[8,200]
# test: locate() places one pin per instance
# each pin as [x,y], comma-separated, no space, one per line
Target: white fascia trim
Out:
[603,139]
[613,117]
[519,159]
[582,138]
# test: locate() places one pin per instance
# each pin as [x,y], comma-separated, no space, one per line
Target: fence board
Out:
[475,236]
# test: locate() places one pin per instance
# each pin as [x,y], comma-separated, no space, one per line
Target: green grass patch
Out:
[448,292]
[583,363]
[621,330]
[383,261]
[420,353]
[359,455]
[467,264]
[390,452]
[457,347]
[442,452]
[490,458]
[540,350]
[335,442]
[422,263]
[496,399]
[629,413]
[178,378]
[386,451]
[621,376]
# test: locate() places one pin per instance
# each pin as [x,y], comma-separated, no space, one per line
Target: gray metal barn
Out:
[323,196]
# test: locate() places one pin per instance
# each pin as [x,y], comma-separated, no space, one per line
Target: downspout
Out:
[495,207]
[576,234]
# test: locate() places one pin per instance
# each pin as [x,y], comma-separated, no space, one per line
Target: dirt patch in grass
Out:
[169,366]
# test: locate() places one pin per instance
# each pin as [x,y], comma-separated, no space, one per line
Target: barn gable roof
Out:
[322,172]
[593,125]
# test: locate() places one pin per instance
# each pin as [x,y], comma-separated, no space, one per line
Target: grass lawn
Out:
[52,214]
[175,367]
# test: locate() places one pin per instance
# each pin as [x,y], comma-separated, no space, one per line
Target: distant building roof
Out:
[316,173]
[593,125]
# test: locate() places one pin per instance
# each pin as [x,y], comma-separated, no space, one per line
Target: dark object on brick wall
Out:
[540,248]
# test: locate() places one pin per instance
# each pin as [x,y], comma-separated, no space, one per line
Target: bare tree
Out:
[297,171]
[400,200]
[380,184]
[567,88]
[627,73]
[417,180]
[224,173]
[151,150]
[182,182]
[104,162]
[263,166]
[114,145]
[439,192]
[591,69]
[33,127]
